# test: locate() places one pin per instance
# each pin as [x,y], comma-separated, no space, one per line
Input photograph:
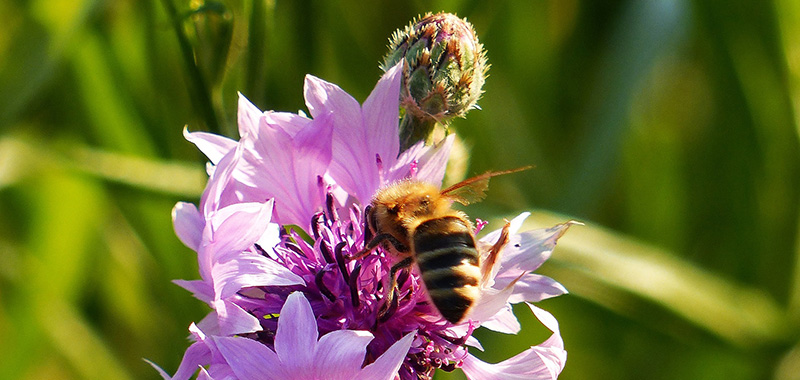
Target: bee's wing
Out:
[473,189]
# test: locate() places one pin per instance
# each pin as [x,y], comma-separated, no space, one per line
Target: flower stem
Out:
[415,129]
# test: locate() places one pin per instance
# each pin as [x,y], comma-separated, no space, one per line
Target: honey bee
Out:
[415,221]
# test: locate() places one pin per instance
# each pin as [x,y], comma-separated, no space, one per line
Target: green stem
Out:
[201,95]
[413,130]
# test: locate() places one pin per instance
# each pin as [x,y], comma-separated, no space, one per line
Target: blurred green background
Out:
[668,126]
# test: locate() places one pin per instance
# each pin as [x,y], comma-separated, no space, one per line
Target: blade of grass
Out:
[37,53]
[590,255]
[20,158]
[200,92]
[646,31]
[73,337]
[789,21]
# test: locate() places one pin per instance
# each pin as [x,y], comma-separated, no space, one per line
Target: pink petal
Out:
[214,195]
[296,338]
[549,321]
[291,123]
[287,168]
[200,289]
[491,302]
[340,353]
[534,288]
[204,375]
[542,362]
[249,269]
[248,117]
[323,97]
[474,342]
[196,355]
[387,365]
[220,371]
[503,321]
[434,161]
[381,115]
[250,360]
[234,320]
[431,162]
[361,134]
[213,146]
[209,324]
[236,228]
[526,251]
[515,224]
[270,239]
[188,224]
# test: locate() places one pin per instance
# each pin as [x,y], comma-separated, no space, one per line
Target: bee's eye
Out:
[425,201]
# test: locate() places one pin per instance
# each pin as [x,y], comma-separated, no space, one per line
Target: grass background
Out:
[668,126]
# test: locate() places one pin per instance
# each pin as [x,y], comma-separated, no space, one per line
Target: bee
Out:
[415,221]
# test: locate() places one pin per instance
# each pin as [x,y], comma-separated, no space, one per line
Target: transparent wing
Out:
[473,189]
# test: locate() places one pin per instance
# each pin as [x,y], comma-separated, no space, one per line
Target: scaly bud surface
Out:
[443,76]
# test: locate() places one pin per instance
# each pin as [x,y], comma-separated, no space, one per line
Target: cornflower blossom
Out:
[282,212]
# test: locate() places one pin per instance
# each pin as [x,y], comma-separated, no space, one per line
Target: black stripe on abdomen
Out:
[452,305]
[437,244]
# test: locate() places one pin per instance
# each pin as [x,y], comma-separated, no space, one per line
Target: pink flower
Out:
[299,352]
[274,292]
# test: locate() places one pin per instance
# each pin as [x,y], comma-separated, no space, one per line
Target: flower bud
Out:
[443,75]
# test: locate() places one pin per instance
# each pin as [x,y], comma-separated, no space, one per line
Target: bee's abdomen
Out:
[448,261]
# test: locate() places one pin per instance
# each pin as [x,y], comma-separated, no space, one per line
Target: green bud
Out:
[443,76]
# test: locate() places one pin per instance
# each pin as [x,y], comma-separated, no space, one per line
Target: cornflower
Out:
[282,213]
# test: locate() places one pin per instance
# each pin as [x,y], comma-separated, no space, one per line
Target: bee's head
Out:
[402,203]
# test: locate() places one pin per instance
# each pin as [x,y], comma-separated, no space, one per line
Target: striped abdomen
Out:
[448,261]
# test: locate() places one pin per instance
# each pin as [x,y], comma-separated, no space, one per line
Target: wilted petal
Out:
[296,338]
[188,224]
[250,360]
[386,366]
[340,354]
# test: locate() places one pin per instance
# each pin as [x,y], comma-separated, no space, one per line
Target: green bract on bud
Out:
[443,76]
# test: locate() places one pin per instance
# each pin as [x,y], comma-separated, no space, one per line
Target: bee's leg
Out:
[493,258]
[390,303]
[374,243]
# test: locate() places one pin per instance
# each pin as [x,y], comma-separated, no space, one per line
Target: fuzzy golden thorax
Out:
[399,208]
